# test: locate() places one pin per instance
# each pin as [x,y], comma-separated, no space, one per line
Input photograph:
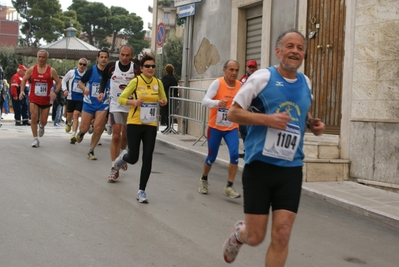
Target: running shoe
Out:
[120,163]
[142,197]
[36,142]
[231,246]
[203,187]
[123,152]
[67,127]
[79,137]
[113,175]
[231,192]
[57,125]
[109,128]
[90,155]
[41,130]
[91,129]
[73,139]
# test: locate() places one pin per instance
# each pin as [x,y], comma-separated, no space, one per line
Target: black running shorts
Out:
[73,105]
[266,185]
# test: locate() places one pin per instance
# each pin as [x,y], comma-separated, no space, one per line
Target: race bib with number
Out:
[95,89]
[41,89]
[282,144]
[221,118]
[148,112]
[75,88]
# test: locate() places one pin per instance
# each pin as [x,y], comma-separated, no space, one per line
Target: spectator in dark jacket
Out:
[58,104]
[168,80]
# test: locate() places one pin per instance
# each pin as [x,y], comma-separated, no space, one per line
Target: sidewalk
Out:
[368,201]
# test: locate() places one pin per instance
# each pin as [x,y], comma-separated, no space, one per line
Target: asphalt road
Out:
[57,209]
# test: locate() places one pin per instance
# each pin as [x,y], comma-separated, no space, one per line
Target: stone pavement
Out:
[368,201]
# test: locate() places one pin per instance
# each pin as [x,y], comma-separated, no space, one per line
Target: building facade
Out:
[164,12]
[352,60]
[9,26]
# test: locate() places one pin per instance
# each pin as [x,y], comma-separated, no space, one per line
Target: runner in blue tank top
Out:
[74,97]
[93,106]
[275,104]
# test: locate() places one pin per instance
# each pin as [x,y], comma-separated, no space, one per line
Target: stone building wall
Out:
[374,126]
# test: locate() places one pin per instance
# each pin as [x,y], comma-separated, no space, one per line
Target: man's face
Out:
[42,58]
[251,69]
[82,65]
[231,71]
[291,51]
[102,59]
[125,55]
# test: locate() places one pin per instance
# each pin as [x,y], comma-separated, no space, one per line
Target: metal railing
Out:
[188,107]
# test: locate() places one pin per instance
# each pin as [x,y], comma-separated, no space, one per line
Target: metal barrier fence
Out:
[187,106]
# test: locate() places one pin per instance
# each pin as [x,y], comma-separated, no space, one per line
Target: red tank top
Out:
[41,85]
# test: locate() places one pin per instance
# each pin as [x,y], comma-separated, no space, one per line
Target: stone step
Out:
[325,170]
[318,150]
[325,138]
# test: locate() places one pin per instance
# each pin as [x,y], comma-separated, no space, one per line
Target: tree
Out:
[43,19]
[93,16]
[70,19]
[166,3]
[173,53]
[99,22]
[9,61]
[119,19]
[135,34]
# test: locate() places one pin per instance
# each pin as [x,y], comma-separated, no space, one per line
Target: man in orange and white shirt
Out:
[219,98]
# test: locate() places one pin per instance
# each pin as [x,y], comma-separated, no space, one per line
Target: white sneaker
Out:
[203,187]
[109,128]
[35,143]
[91,129]
[119,162]
[231,192]
[41,130]
[231,246]
[142,197]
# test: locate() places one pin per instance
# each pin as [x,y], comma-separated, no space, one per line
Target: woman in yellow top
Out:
[143,94]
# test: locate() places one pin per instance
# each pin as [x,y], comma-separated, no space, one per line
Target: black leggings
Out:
[135,134]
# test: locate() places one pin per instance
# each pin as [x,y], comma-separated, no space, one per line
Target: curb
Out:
[340,202]
[354,207]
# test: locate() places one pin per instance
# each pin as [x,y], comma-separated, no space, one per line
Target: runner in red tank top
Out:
[41,76]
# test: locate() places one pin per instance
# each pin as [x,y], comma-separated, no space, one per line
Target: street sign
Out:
[186,11]
[161,32]
[159,51]
[185,2]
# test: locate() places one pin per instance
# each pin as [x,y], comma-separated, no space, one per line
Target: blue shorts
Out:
[215,137]
[93,108]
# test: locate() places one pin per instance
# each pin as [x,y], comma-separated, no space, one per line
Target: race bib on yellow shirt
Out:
[148,112]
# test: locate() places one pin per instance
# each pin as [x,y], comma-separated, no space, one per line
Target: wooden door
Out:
[325,57]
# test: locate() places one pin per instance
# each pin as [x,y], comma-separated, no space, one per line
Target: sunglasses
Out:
[82,64]
[149,66]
